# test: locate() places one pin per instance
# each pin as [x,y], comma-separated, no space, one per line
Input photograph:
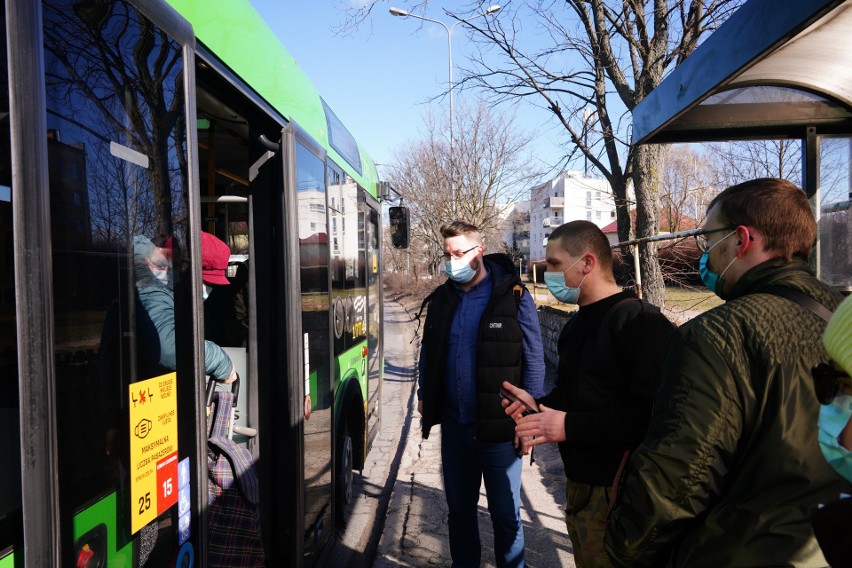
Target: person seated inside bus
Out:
[156,298]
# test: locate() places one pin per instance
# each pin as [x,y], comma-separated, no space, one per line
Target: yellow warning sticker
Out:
[153,449]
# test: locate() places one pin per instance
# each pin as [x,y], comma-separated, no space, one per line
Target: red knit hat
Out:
[214,260]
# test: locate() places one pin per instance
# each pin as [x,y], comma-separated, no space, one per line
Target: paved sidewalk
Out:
[372,489]
[415,531]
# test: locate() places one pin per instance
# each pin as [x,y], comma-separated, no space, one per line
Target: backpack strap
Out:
[423,305]
[617,482]
[518,293]
[801,299]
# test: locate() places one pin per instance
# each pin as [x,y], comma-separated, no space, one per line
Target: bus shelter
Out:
[776,69]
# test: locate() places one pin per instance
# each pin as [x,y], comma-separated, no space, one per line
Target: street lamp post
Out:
[588,115]
[449,29]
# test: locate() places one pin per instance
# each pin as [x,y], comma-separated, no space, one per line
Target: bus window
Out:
[374,309]
[117,170]
[10,448]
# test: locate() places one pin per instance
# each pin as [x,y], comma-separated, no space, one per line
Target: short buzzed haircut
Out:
[775,207]
[458,228]
[580,237]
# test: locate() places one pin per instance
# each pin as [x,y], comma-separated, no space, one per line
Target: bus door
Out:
[263,192]
[244,158]
[123,397]
[316,378]
[11,521]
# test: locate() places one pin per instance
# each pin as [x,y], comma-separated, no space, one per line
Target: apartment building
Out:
[568,197]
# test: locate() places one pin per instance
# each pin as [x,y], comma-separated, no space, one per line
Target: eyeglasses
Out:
[701,238]
[827,382]
[447,256]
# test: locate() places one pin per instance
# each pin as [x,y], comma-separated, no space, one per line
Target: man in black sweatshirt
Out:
[610,355]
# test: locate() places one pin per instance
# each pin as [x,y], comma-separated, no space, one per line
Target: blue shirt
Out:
[460,370]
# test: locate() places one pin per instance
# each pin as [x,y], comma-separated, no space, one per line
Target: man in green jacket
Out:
[730,471]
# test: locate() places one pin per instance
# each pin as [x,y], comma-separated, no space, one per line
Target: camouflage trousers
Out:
[585,516]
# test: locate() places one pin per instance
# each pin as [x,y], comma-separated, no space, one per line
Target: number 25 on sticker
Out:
[144,503]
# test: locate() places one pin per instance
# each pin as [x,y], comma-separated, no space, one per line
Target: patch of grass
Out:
[682,303]
[677,299]
[691,299]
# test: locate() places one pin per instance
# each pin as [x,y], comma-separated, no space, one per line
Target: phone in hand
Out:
[504,393]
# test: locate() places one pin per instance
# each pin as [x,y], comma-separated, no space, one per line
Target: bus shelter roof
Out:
[774,68]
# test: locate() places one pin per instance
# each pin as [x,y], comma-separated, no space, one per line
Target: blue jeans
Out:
[465,463]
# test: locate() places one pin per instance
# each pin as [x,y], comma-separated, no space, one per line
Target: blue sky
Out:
[379,80]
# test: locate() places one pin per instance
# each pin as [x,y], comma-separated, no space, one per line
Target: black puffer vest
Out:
[499,354]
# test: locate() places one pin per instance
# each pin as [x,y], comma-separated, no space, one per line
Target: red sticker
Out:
[167,482]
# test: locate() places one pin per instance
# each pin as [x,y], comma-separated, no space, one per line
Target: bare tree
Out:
[491,167]
[736,162]
[594,48]
[741,161]
[689,183]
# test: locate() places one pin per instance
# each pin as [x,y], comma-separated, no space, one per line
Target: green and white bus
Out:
[148,121]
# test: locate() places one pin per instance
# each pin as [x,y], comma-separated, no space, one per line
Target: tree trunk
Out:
[646,183]
[622,215]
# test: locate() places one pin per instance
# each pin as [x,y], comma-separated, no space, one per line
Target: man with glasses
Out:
[481,329]
[730,472]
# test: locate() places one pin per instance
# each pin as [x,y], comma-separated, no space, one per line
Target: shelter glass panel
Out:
[835,218]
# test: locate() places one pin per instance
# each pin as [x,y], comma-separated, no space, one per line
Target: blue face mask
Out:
[459,271]
[832,419]
[555,282]
[710,278]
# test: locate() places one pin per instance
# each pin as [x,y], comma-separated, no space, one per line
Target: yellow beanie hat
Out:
[838,336]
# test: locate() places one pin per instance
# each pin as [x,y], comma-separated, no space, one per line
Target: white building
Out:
[515,234]
[569,197]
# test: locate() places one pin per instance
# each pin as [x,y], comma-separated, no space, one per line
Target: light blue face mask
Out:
[710,278]
[832,419]
[205,291]
[555,282]
[459,271]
